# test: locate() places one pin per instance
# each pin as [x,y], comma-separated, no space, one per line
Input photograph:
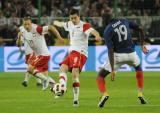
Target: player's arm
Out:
[96,34]
[19,40]
[87,29]
[138,28]
[50,28]
[109,43]
[55,32]
[58,23]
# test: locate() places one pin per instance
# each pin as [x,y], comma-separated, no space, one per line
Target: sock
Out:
[139,77]
[63,78]
[76,88]
[38,80]
[40,76]
[51,81]
[101,85]
[27,76]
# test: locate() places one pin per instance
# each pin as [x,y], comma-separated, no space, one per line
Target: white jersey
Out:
[78,36]
[34,39]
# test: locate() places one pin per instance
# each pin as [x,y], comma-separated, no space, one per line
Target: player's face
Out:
[75,19]
[27,24]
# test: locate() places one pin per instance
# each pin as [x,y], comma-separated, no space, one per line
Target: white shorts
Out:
[120,59]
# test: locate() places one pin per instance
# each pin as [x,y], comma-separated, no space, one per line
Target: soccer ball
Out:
[59,89]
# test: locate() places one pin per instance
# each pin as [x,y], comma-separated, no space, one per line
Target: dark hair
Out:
[27,17]
[74,11]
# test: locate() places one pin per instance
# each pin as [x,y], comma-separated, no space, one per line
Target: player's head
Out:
[27,23]
[74,16]
[108,15]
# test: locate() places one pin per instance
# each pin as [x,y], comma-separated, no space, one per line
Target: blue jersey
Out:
[117,35]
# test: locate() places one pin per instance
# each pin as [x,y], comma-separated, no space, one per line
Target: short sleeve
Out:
[87,29]
[42,30]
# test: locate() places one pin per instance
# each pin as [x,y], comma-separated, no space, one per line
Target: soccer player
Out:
[78,50]
[121,51]
[34,36]
[28,53]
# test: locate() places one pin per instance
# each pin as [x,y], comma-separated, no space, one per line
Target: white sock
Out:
[76,89]
[51,80]
[63,78]
[41,76]
[38,80]
[27,76]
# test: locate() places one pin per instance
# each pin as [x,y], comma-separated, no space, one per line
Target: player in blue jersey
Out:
[121,51]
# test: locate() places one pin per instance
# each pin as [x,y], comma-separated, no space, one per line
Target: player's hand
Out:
[19,34]
[98,39]
[113,75]
[144,49]
[61,40]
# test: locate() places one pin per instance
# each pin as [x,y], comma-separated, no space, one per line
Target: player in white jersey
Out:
[78,50]
[34,36]
[28,55]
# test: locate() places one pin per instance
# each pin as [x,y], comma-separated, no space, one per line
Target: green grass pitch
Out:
[14,98]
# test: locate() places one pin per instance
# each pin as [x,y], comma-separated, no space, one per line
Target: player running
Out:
[78,50]
[28,54]
[34,36]
[120,51]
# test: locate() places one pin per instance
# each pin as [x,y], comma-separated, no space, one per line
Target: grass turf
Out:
[14,98]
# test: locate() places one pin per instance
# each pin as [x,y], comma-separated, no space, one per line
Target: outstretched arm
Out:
[58,23]
[96,34]
[55,31]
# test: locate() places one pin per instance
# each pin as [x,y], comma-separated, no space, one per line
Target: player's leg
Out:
[32,70]
[77,62]
[26,79]
[27,75]
[38,67]
[105,69]
[102,86]
[140,83]
[49,80]
[63,74]
[101,81]
[76,86]
[39,82]
[139,75]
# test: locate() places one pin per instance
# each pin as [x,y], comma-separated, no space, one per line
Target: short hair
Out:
[27,17]
[74,11]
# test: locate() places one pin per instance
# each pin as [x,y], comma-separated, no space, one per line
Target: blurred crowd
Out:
[11,12]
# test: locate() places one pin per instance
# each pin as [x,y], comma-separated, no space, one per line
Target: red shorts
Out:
[40,63]
[75,60]
[29,58]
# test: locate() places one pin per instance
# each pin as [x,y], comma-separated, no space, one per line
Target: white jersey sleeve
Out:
[66,25]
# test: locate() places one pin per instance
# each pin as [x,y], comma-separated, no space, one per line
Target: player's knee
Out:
[138,68]
[30,69]
[75,72]
[103,73]
[63,68]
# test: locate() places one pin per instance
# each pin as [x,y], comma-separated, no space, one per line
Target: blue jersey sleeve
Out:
[133,25]
[108,37]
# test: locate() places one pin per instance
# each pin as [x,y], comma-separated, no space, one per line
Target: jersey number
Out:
[122,32]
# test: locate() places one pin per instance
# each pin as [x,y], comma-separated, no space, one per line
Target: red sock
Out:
[139,76]
[101,84]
